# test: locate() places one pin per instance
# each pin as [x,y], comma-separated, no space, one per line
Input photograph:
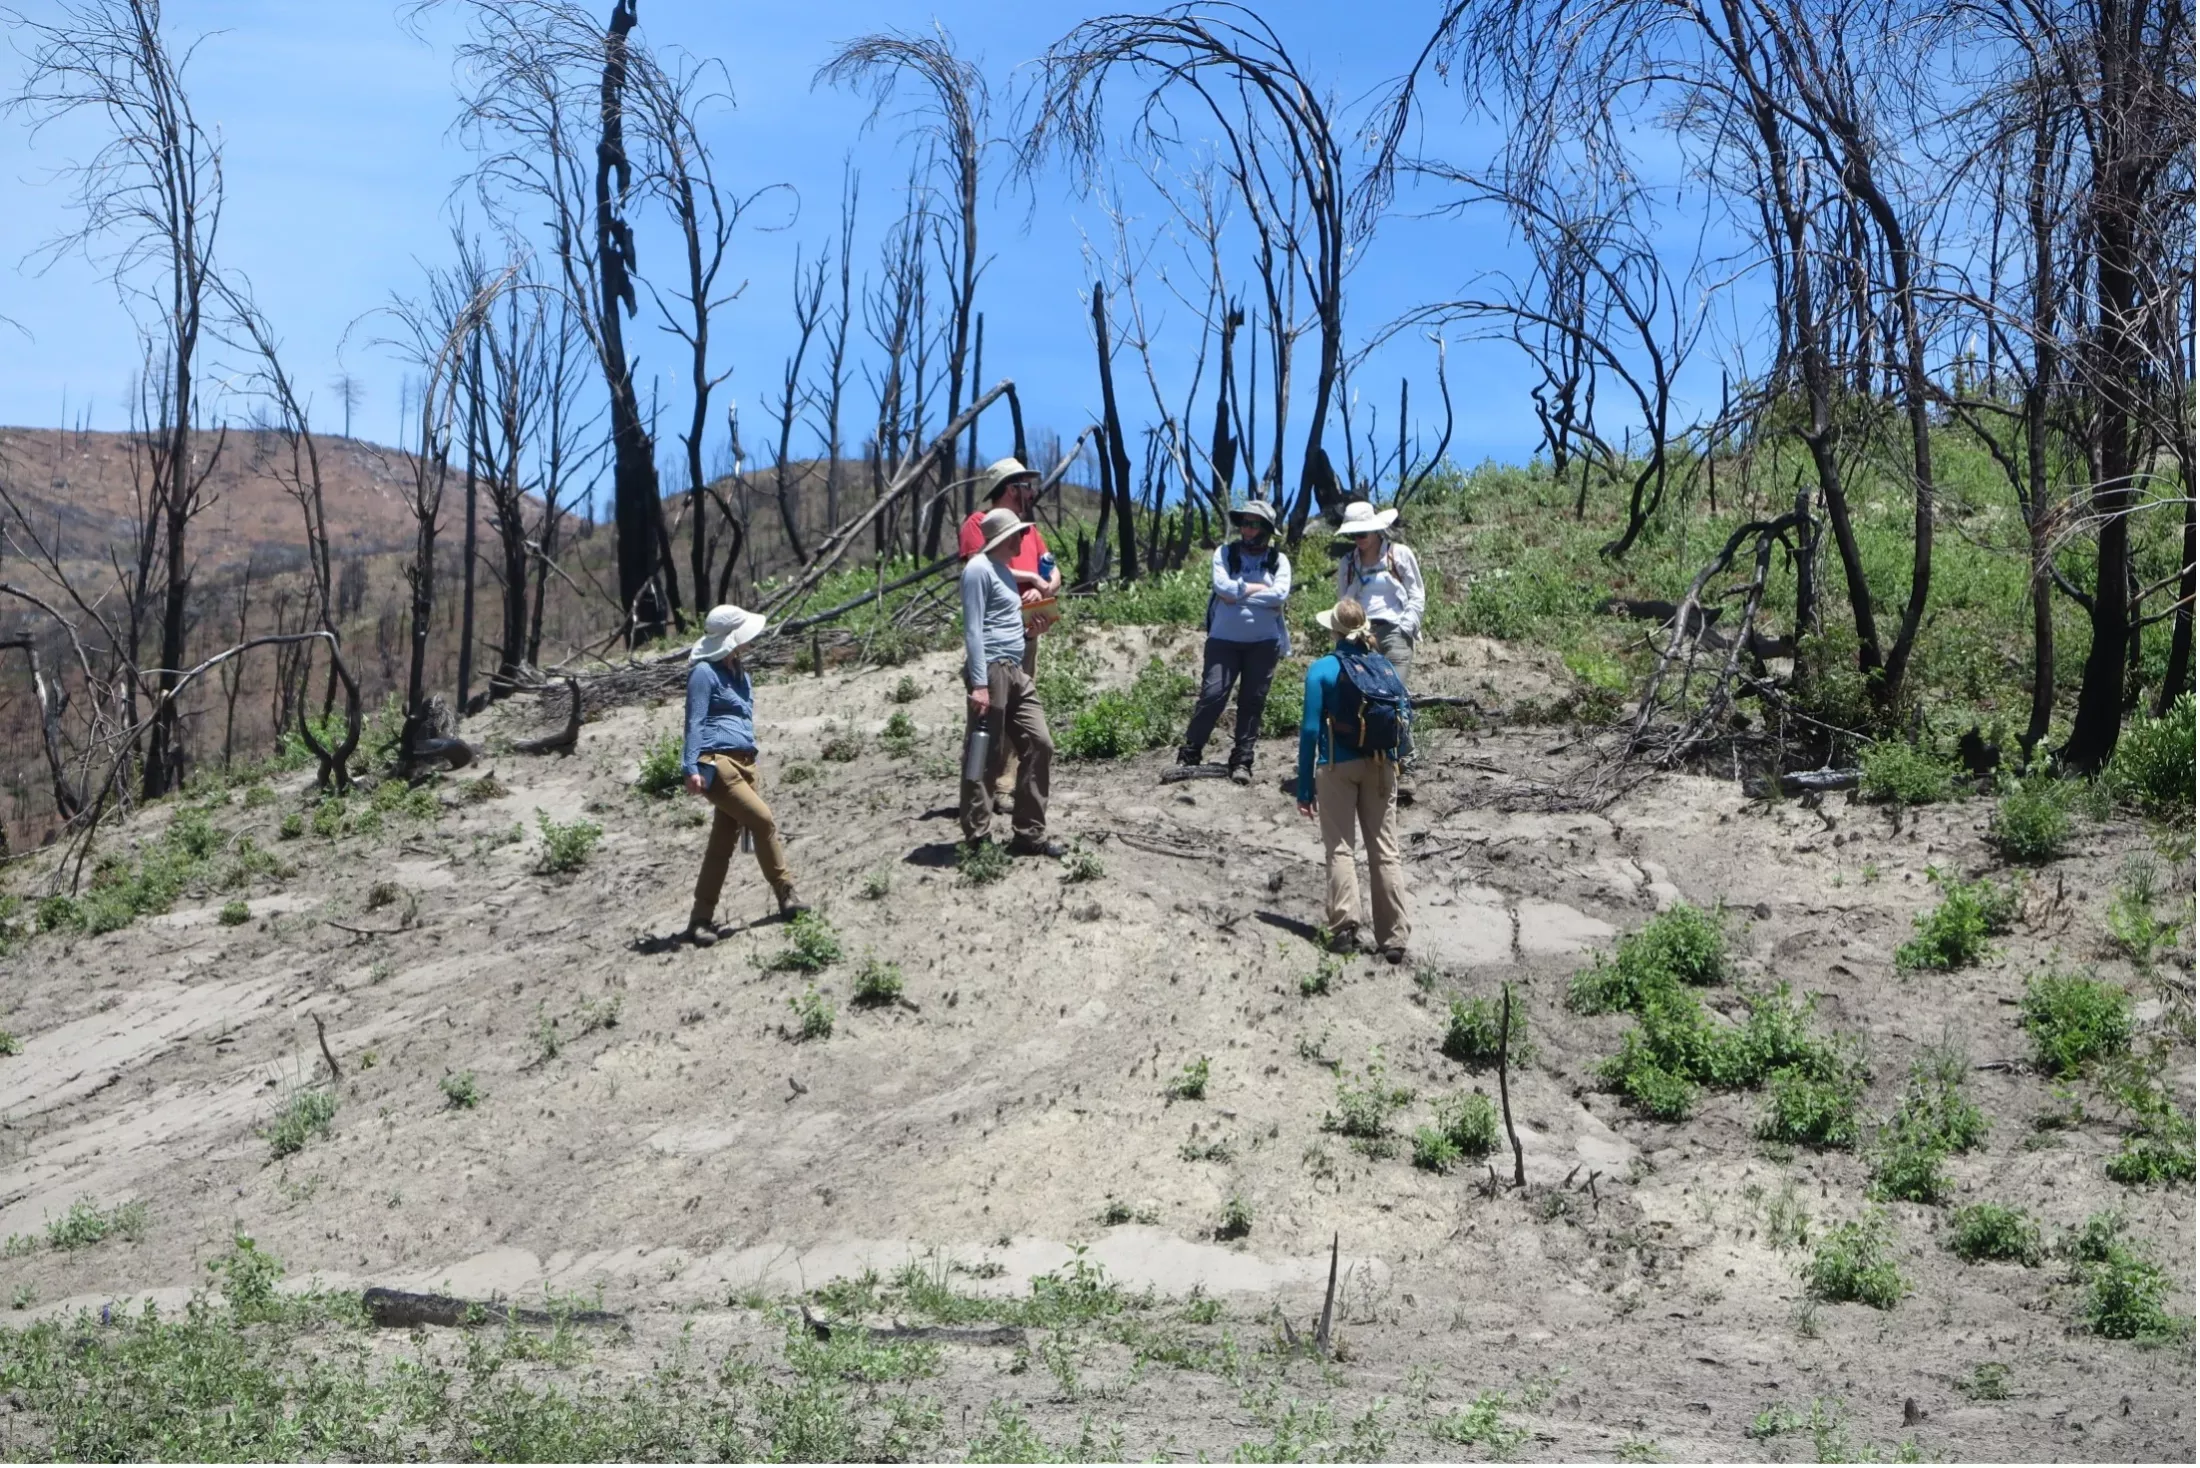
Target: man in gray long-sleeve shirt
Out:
[1003,699]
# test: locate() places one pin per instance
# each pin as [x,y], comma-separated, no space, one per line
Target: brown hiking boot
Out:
[791,905]
[701,933]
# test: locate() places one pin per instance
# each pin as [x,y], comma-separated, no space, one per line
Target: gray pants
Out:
[1252,667]
[1398,647]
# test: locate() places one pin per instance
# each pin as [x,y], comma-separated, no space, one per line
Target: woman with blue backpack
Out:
[1251,582]
[1384,576]
[1350,738]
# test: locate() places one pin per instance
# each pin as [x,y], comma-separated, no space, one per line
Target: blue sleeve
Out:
[700,679]
[1279,587]
[1319,677]
[973,601]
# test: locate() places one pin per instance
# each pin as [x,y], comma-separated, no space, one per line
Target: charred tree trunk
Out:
[1117,470]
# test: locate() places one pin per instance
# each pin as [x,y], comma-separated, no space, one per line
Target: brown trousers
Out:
[737,799]
[1017,724]
[1362,793]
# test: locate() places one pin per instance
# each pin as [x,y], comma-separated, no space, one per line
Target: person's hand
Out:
[695,784]
[1255,588]
[1306,809]
[981,699]
[1033,595]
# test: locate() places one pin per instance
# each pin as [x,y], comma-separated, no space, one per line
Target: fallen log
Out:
[402,1310]
[565,740]
[997,1335]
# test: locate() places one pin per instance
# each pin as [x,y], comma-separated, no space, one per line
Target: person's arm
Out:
[1276,590]
[973,595]
[1219,580]
[1409,576]
[700,679]
[1310,726]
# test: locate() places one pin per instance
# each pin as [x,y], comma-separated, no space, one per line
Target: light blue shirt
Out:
[721,713]
[993,618]
[1237,615]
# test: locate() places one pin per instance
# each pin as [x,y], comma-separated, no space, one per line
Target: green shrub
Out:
[461,1092]
[565,847]
[86,1224]
[1988,1382]
[292,827]
[1123,722]
[1934,1104]
[257,794]
[2124,1289]
[899,738]
[907,690]
[841,746]
[877,983]
[306,1115]
[1904,774]
[60,914]
[10,1044]
[1364,1110]
[2074,1019]
[1982,1231]
[1190,1083]
[812,944]
[982,862]
[235,914]
[1286,707]
[1855,1261]
[2157,1147]
[1954,932]
[1465,1126]
[1237,1218]
[1471,1032]
[813,1014]
[1682,945]
[661,773]
[1907,1167]
[1810,1110]
[1082,864]
[2032,819]
[2153,765]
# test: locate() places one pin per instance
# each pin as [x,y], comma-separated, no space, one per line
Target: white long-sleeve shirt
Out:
[1391,589]
[1237,615]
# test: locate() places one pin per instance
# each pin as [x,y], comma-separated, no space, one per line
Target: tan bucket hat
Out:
[998,525]
[1000,474]
[725,629]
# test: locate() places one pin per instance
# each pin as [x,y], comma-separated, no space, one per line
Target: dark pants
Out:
[1226,662]
[1398,647]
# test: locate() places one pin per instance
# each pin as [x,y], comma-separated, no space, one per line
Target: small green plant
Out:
[257,794]
[1328,969]
[548,1041]
[1907,1165]
[899,738]
[1119,723]
[1237,1218]
[1787,1219]
[907,690]
[1466,1126]
[1810,1109]
[292,826]
[86,1224]
[2157,1147]
[1682,946]
[306,1115]
[982,862]
[1855,1261]
[1364,1111]
[2153,765]
[1987,1382]
[1472,1028]
[1190,1083]
[841,746]
[565,846]
[661,773]
[461,1092]
[2132,926]
[812,944]
[813,1014]
[798,774]
[2032,819]
[877,983]
[1954,933]
[10,1043]
[2074,1019]
[1904,774]
[877,883]
[1082,864]
[2124,1288]
[1483,1423]
[1981,1231]
[235,914]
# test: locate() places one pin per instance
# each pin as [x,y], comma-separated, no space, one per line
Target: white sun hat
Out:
[1362,518]
[725,629]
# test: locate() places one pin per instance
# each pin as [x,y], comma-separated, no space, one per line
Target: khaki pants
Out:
[1001,764]
[738,801]
[1017,724]
[1362,793]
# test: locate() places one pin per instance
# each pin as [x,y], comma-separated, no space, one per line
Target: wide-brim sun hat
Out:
[1259,510]
[1362,518]
[726,628]
[1000,474]
[1328,620]
[999,525]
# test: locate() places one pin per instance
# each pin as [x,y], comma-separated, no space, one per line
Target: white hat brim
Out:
[1375,524]
[1015,529]
[709,649]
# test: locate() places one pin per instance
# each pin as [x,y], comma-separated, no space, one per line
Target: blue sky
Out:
[342,166]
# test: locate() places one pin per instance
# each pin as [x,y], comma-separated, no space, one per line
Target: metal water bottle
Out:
[976,749]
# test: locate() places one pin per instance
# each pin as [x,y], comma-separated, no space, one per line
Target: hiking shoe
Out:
[1344,938]
[1188,758]
[1405,795]
[1395,953]
[791,905]
[1241,774]
[702,935]
[1036,846]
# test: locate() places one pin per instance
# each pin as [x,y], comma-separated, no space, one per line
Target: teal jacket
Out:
[1317,744]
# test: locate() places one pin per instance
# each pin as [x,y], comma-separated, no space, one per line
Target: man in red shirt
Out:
[1008,484]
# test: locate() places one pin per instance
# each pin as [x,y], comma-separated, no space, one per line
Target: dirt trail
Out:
[692,1155]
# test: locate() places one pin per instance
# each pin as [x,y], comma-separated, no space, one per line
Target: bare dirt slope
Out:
[695,1161]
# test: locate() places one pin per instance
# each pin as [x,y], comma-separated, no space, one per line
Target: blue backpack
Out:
[1369,707]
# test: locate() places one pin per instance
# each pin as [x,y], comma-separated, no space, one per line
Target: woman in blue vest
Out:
[1351,790]
[1245,636]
